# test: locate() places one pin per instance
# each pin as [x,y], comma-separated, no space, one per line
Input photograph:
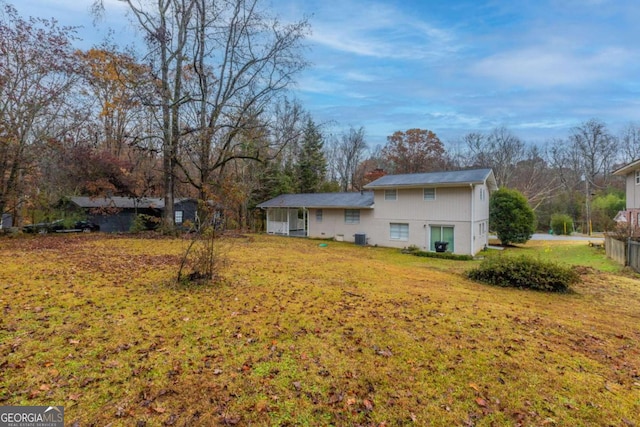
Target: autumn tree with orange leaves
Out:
[414,151]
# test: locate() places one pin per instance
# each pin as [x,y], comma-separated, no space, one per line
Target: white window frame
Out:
[637,177]
[399,231]
[178,217]
[391,194]
[426,194]
[319,214]
[482,193]
[352,216]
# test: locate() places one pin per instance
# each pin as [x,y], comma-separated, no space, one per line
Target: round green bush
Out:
[525,272]
[561,224]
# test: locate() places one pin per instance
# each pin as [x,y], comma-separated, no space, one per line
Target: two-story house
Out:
[631,173]
[395,211]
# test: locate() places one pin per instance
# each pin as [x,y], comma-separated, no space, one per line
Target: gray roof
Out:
[449,178]
[363,200]
[628,168]
[121,202]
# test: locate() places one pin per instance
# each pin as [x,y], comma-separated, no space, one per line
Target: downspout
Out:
[471,228]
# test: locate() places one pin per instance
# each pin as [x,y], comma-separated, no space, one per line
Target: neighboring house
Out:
[631,173]
[395,211]
[116,214]
[6,221]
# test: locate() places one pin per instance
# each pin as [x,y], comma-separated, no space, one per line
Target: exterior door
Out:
[441,233]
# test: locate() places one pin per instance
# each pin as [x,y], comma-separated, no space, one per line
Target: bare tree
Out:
[349,152]
[630,143]
[597,149]
[499,150]
[36,72]
[243,60]
[534,179]
[167,26]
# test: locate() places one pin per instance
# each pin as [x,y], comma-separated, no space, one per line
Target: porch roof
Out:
[359,200]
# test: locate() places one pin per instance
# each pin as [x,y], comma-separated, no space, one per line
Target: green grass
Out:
[298,334]
[567,252]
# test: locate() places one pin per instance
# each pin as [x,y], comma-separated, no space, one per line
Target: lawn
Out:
[303,334]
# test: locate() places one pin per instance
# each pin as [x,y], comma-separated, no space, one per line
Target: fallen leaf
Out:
[474,386]
[368,405]
[72,341]
[262,406]
[45,387]
[481,402]
[159,409]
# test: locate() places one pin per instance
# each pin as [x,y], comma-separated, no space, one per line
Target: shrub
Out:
[561,224]
[414,250]
[142,222]
[525,272]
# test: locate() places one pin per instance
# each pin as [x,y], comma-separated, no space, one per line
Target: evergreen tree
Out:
[511,217]
[312,164]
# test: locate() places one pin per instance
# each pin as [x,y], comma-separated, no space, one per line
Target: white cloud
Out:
[545,67]
[378,30]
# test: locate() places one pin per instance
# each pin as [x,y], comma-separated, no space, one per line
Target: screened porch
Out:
[287,221]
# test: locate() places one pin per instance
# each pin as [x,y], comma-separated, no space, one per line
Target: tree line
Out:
[205,110]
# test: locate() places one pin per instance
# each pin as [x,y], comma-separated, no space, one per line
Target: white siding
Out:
[333,224]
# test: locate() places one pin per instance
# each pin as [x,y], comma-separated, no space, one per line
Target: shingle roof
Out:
[628,168]
[363,200]
[121,202]
[449,178]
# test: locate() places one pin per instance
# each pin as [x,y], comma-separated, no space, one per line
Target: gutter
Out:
[471,227]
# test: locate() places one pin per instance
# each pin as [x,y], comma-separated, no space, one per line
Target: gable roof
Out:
[122,202]
[628,168]
[360,200]
[436,179]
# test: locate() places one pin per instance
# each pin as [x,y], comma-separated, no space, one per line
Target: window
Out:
[399,231]
[482,193]
[482,228]
[390,194]
[351,216]
[637,177]
[178,216]
[318,215]
[429,193]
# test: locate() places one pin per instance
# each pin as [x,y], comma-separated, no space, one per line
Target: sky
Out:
[537,67]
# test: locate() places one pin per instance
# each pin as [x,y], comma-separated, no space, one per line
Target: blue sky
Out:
[538,68]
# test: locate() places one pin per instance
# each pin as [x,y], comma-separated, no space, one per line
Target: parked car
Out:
[86,226]
[44,227]
[58,226]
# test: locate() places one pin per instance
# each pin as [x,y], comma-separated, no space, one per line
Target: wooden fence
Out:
[633,255]
[625,253]
[616,249]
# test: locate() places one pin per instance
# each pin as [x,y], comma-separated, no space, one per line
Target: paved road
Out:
[542,236]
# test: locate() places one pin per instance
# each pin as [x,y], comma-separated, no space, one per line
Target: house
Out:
[429,210]
[631,173]
[116,214]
